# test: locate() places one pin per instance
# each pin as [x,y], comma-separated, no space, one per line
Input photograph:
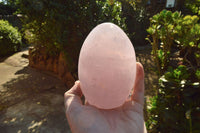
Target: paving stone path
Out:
[31,101]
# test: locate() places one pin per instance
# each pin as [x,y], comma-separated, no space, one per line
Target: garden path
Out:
[31,101]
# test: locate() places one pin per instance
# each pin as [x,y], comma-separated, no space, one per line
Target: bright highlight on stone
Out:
[107,66]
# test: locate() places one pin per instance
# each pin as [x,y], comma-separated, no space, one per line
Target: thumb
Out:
[138,89]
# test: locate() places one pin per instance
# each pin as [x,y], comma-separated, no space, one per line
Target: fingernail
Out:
[77,82]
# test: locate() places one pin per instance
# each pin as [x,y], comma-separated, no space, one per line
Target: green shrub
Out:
[58,24]
[175,43]
[193,5]
[162,33]
[62,25]
[10,38]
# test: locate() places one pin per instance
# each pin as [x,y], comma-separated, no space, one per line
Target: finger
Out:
[138,89]
[72,99]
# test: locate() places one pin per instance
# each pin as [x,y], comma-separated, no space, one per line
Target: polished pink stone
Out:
[107,66]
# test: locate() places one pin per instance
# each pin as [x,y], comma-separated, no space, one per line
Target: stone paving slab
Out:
[31,101]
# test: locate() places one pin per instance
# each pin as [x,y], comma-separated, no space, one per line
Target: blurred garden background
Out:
[40,41]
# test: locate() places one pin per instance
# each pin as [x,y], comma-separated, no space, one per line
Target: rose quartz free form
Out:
[107,66]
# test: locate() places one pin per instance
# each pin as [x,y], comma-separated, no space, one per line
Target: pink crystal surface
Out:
[107,66]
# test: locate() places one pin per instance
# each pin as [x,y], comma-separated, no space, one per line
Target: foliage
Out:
[111,11]
[193,5]
[10,38]
[6,9]
[136,19]
[60,25]
[169,30]
[162,32]
[175,40]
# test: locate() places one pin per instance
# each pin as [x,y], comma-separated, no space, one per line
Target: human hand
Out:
[125,119]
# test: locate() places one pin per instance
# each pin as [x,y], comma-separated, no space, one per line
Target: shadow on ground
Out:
[143,55]
[32,103]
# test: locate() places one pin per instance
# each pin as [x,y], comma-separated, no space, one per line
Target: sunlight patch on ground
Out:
[34,125]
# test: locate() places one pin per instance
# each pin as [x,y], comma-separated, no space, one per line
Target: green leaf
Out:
[176,15]
[191,44]
[198,74]
[160,55]
[155,18]
[197,55]
[151,31]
